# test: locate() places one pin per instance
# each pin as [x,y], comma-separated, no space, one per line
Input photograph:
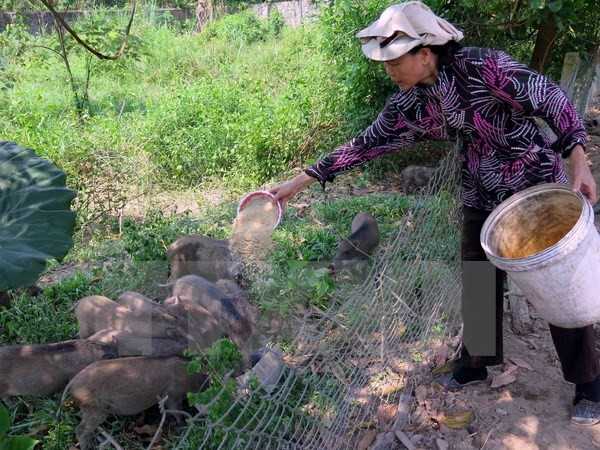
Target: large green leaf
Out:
[4,420]
[36,221]
[17,443]
[12,442]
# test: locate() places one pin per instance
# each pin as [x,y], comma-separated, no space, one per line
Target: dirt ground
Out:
[530,413]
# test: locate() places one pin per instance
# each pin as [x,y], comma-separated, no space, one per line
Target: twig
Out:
[109,439]
[161,406]
[164,412]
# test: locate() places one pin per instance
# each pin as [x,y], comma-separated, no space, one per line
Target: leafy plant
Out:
[257,416]
[36,222]
[47,317]
[296,283]
[245,27]
[12,442]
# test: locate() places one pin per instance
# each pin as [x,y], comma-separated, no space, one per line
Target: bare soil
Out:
[530,413]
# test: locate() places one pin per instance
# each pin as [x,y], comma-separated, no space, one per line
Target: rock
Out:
[442,444]
[384,441]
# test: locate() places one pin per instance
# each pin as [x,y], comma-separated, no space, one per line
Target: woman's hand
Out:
[287,190]
[583,180]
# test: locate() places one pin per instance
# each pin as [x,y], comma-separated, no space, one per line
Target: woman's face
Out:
[409,70]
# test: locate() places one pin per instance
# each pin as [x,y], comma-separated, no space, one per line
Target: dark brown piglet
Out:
[42,370]
[417,177]
[206,303]
[128,386]
[204,256]
[360,244]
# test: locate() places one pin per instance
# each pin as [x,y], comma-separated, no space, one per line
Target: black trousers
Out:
[576,347]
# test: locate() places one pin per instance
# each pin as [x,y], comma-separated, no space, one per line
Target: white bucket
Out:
[544,238]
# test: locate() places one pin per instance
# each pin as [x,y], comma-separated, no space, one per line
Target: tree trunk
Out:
[546,37]
[203,14]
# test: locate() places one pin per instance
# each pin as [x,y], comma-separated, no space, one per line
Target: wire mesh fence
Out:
[361,351]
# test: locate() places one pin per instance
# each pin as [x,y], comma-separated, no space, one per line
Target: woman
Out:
[490,102]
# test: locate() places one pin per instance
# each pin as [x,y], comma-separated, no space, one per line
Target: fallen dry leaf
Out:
[450,366]
[367,440]
[421,394]
[386,413]
[389,389]
[521,363]
[302,208]
[338,372]
[458,420]
[505,377]
[145,429]
[440,355]
[313,216]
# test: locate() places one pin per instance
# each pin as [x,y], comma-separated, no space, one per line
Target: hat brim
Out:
[393,50]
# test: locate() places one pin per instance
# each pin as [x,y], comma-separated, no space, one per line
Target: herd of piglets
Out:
[129,353]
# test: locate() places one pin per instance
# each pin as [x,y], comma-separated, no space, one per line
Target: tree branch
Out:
[61,21]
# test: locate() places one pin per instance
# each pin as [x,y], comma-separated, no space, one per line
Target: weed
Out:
[12,442]
[47,317]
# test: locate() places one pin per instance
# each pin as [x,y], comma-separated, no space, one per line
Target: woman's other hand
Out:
[583,180]
[287,190]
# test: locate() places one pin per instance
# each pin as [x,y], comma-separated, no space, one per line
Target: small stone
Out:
[416,439]
[445,429]
[501,412]
[441,444]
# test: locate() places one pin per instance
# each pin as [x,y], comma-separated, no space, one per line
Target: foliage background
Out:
[243,101]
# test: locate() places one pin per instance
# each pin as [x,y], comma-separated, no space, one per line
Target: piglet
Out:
[416,177]
[132,344]
[204,256]
[207,304]
[96,313]
[128,386]
[42,370]
[360,244]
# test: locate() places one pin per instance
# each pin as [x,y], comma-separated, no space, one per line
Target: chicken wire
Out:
[363,350]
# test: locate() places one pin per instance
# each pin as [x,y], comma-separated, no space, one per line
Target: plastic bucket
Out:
[544,238]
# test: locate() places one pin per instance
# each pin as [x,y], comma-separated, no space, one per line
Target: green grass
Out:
[188,108]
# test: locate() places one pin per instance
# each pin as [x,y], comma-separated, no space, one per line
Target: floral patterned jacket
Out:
[488,101]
